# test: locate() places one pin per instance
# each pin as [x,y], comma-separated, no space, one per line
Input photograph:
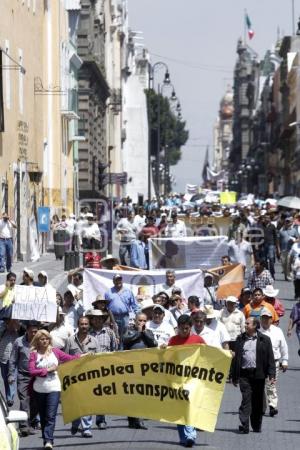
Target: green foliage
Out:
[172,130]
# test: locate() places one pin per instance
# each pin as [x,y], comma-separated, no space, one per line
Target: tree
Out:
[172,129]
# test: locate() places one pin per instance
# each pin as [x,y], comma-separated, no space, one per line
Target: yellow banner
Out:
[182,384]
[228,198]
[196,226]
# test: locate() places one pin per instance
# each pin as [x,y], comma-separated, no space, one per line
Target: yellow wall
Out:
[22,144]
[14,15]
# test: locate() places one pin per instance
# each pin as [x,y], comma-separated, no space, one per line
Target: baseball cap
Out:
[246,291]
[232,299]
[117,276]
[29,272]
[43,273]
[176,290]
[266,312]
[157,306]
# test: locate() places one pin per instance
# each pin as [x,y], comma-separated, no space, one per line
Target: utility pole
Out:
[293,17]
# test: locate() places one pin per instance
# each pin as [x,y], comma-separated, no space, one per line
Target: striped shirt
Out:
[261,280]
[106,339]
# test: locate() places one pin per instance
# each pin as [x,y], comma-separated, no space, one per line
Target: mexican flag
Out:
[249,26]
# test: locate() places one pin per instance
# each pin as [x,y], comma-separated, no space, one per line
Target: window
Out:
[6,63]
[1,95]
[21,86]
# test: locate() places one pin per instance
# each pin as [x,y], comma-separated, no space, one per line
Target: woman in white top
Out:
[43,363]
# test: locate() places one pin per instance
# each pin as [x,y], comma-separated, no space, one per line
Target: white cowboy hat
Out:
[210,312]
[109,257]
[269,291]
[232,299]
[145,304]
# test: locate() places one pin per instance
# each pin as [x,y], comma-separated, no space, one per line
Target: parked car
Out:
[9,438]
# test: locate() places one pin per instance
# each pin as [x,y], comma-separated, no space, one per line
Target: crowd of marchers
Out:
[247,325]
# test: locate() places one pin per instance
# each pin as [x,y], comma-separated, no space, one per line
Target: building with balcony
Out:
[223,134]
[21,118]
[93,92]
[245,95]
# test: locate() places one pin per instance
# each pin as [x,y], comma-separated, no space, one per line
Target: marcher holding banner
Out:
[43,362]
[161,384]
[187,433]
[161,329]
[138,337]
[80,344]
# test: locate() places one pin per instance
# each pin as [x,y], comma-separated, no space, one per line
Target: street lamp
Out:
[166,81]
[177,108]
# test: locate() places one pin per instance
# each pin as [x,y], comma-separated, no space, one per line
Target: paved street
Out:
[280,432]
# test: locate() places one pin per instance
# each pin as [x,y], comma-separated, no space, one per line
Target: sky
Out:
[198,39]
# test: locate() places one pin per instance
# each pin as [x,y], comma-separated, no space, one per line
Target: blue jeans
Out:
[122,324]
[47,404]
[6,254]
[100,419]
[124,248]
[186,432]
[86,423]
[10,389]
[270,257]
[298,334]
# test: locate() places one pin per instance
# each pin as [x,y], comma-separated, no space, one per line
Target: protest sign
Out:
[182,384]
[206,225]
[228,198]
[35,303]
[230,280]
[143,283]
[187,252]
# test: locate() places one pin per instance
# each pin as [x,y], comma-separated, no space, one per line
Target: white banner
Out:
[143,284]
[35,303]
[187,252]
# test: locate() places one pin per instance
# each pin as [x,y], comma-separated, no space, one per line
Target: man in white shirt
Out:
[281,354]
[60,331]
[128,232]
[161,330]
[233,319]
[240,251]
[91,236]
[294,252]
[176,228]
[140,219]
[71,225]
[6,242]
[200,329]
[79,226]
[169,285]
[216,326]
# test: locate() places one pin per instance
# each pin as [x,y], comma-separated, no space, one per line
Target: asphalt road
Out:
[280,432]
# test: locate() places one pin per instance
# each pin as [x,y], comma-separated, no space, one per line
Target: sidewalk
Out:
[47,262]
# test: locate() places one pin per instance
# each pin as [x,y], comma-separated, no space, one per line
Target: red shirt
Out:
[92,261]
[150,230]
[192,339]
